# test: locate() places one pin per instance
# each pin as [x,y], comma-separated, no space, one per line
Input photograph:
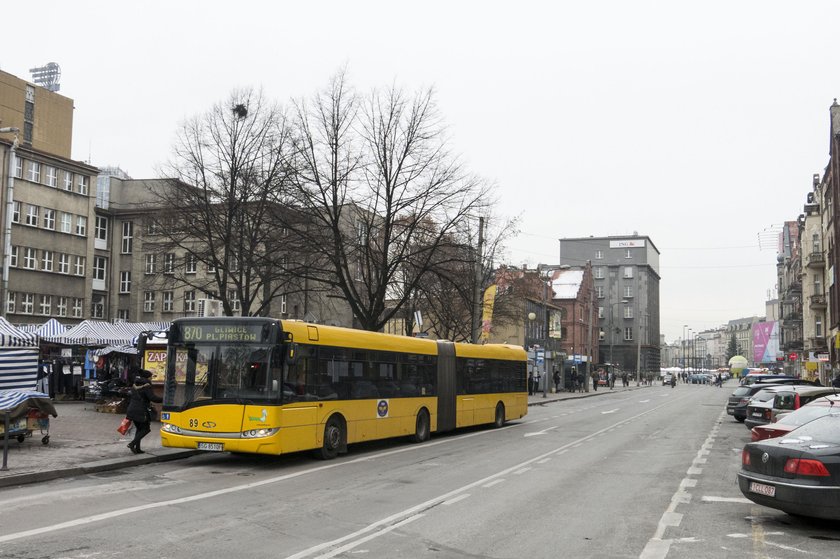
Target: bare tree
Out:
[381,192]
[221,209]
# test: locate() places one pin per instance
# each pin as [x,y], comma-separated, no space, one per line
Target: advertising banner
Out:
[765,342]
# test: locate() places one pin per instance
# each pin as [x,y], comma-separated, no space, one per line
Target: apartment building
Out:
[50,259]
[626,281]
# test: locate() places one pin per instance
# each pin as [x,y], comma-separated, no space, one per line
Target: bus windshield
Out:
[222,372]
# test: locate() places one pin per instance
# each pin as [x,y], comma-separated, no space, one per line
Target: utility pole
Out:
[478,307]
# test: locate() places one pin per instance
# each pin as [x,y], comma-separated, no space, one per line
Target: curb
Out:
[589,394]
[94,467]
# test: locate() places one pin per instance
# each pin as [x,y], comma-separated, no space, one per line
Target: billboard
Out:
[765,342]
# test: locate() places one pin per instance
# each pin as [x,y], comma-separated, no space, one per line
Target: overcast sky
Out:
[698,124]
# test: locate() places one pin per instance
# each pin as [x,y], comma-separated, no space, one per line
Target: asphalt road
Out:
[648,473]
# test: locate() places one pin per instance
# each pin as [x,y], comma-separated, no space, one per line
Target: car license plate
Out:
[217,447]
[757,414]
[762,489]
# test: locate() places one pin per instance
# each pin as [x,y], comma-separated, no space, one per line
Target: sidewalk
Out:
[84,441]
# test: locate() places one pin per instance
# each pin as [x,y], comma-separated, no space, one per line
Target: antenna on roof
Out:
[47,76]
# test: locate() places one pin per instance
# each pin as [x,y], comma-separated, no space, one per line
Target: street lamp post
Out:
[7,231]
[682,343]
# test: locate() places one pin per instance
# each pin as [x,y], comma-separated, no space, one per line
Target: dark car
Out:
[799,473]
[775,379]
[738,400]
[760,406]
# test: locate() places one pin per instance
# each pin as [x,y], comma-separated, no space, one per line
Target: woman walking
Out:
[139,408]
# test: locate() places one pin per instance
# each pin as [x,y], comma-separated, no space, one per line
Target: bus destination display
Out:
[223,333]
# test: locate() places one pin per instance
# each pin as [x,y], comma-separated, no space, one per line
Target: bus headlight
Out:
[258,433]
[169,428]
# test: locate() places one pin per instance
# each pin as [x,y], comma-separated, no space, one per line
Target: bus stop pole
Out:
[5,440]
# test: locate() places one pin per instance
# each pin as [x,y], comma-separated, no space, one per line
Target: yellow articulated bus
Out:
[268,386]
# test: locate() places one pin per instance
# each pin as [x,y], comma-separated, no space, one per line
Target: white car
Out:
[666,378]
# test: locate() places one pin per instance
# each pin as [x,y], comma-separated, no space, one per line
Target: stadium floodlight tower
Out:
[47,76]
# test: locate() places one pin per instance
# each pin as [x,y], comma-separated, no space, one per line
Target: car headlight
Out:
[258,433]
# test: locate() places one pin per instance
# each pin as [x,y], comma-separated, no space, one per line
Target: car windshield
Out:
[764,395]
[825,429]
[741,391]
[807,413]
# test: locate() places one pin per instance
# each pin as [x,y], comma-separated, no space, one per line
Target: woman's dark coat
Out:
[141,398]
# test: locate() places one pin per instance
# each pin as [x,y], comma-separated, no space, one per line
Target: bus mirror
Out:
[292,354]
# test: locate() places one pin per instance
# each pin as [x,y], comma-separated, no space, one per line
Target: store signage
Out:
[628,243]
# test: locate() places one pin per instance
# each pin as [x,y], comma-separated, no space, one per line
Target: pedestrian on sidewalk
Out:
[139,408]
[556,380]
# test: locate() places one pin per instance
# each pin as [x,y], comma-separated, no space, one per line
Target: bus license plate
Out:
[217,447]
[762,489]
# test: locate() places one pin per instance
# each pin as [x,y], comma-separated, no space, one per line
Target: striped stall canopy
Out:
[98,333]
[16,402]
[13,337]
[18,368]
[51,328]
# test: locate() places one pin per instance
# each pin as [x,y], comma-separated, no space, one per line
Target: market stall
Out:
[22,412]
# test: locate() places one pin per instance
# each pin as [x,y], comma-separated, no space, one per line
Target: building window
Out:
[152,227]
[190,264]
[13,258]
[18,167]
[283,304]
[84,185]
[78,305]
[169,263]
[30,258]
[628,253]
[125,282]
[601,335]
[628,272]
[68,181]
[628,291]
[45,305]
[49,219]
[168,302]
[150,263]
[122,314]
[61,306]
[600,312]
[818,327]
[628,334]
[599,272]
[66,220]
[149,301]
[34,173]
[27,303]
[97,306]
[628,311]
[599,255]
[52,176]
[32,215]
[101,228]
[100,265]
[599,291]
[63,263]
[235,304]
[127,237]
[81,225]
[189,301]
[79,267]
[16,212]
[10,301]
[47,260]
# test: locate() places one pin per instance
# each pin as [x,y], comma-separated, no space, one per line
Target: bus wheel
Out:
[421,428]
[500,415]
[333,436]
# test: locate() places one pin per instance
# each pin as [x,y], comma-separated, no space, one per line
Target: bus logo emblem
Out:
[382,408]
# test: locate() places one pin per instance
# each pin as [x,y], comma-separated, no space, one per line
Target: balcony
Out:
[815,260]
[817,302]
[794,345]
[795,286]
[818,343]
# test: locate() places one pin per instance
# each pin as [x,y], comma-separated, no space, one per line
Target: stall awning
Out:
[18,368]
[13,337]
[97,333]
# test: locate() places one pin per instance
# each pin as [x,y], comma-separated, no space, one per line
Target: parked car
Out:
[760,406]
[790,421]
[794,397]
[775,379]
[798,474]
[736,406]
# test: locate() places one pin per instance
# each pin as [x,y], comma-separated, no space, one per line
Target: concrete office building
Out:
[626,276]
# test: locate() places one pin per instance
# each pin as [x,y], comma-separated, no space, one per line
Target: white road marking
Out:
[714,499]
[644,401]
[492,483]
[543,432]
[350,546]
[452,501]
[543,461]
[521,471]
[610,411]
[657,547]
